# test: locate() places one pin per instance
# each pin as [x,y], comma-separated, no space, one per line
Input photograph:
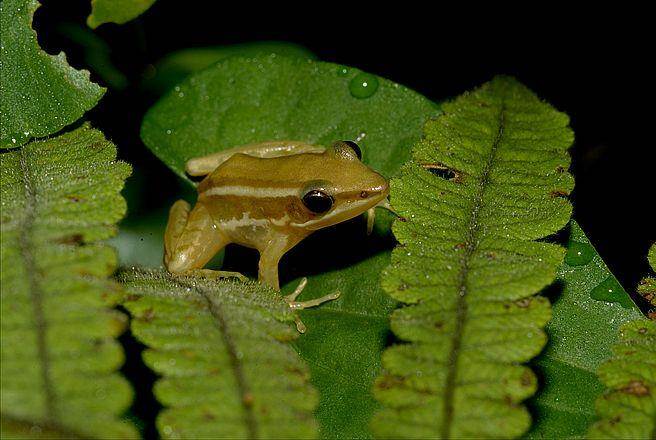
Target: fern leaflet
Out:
[628,408]
[59,355]
[487,181]
[222,350]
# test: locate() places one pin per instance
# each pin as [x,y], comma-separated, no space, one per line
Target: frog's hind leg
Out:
[191,240]
[202,166]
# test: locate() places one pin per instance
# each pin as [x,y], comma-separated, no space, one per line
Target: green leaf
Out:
[59,353]
[116,11]
[581,334]
[222,349]
[39,93]
[176,66]
[246,100]
[647,287]
[485,183]
[628,408]
[240,101]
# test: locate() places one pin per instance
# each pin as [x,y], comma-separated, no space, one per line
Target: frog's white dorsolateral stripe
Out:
[251,191]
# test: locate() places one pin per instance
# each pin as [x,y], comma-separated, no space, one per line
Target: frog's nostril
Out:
[364,194]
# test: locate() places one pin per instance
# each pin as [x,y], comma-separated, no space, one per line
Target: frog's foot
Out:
[214,274]
[299,305]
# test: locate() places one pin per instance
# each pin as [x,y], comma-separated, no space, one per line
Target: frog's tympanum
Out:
[269,196]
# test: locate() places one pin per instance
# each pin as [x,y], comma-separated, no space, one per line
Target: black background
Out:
[592,66]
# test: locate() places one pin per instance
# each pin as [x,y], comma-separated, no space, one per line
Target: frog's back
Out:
[258,192]
[256,173]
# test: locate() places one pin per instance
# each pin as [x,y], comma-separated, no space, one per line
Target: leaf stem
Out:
[461,306]
[36,292]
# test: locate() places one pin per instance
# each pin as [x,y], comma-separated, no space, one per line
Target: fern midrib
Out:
[46,430]
[36,293]
[461,305]
[245,394]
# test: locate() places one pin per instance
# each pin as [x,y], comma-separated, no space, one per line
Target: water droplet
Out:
[342,71]
[610,290]
[364,85]
[578,254]
[168,131]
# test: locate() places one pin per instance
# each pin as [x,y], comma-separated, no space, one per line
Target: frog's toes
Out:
[297,305]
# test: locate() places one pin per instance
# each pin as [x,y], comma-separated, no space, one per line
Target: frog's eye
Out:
[355,148]
[317,201]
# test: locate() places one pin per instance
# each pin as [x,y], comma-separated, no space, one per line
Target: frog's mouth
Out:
[347,211]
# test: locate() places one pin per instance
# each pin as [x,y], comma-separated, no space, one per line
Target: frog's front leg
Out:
[268,274]
[191,240]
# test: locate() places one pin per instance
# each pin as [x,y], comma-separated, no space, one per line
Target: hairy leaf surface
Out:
[59,356]
[581,334]
[39,93]
[240,101]
[116,11]
[486,182]
[222,349]
[176,66]
[628,408]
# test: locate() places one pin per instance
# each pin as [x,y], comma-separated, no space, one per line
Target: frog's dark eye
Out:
[317,201]
[355,148]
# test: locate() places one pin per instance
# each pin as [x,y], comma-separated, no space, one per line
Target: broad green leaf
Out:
[628,408]
[581,334]
[239,101]
[176,66]
[116,11]
[484,185]
[222,349]
[39,93]
[647,287]
[59,353]
[246,100]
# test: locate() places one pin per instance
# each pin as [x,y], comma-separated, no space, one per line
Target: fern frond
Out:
[628,408]
[59,355]
[486,182]
[647,287]
[223,351]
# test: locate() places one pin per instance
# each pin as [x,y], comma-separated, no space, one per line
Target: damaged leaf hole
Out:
[442,171]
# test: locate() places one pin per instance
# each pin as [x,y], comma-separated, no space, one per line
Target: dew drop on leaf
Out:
[610,290]
[363,85]
[342,71]
[579,254]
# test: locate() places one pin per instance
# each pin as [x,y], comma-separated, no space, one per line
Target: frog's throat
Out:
[371,213]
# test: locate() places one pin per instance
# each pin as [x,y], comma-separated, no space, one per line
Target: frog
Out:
[269,196]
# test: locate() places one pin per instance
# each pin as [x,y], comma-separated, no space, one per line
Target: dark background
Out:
[594,68]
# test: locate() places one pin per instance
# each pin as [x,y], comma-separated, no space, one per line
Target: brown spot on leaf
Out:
[523,303]
[559,193]
[208,415]
[386,382]
[527,379]
[248,399]
[74,198]
[637,388]
[148,315]
[74,239]
[642,330]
